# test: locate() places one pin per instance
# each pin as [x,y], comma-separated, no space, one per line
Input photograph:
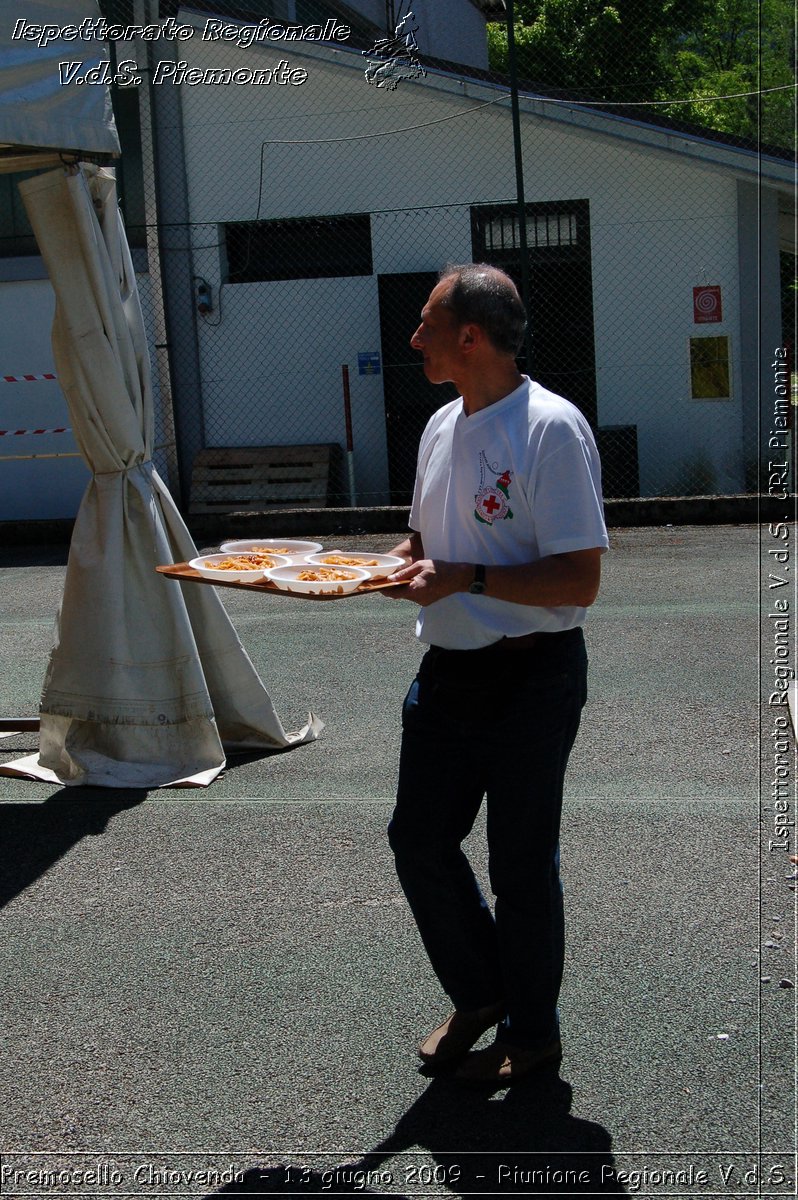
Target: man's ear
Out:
[470,337]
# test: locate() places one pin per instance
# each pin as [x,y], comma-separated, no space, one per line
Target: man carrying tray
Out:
[504,554]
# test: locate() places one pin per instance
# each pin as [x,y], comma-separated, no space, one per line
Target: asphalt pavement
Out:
[220,991]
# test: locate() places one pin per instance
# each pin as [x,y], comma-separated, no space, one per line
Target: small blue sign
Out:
[368,363]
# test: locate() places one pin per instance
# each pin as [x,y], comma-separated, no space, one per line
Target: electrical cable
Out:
[360,137]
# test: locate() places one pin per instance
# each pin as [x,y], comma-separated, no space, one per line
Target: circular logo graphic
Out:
[707,301]
[491,504]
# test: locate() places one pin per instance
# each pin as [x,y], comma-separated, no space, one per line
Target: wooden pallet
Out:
[255,478]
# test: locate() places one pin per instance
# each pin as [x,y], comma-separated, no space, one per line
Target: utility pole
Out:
[519,175]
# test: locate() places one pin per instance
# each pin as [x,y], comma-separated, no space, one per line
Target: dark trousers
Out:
[499,724]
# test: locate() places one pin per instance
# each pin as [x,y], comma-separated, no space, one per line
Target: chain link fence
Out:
[288,219]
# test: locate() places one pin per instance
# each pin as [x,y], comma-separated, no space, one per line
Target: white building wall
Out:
[34,488]
[423,240]
[330,144]
[660,225]
[325,324]
[675,230]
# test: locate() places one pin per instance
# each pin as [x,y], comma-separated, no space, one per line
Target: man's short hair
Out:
[486,296]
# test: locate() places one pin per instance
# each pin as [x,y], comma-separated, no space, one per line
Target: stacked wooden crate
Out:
[255,478]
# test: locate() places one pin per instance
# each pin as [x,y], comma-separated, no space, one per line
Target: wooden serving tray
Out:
[187,574]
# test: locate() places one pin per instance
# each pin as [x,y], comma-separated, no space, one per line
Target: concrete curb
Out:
[631,513]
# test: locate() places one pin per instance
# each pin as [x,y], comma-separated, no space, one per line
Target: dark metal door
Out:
[410,399]
[560,302]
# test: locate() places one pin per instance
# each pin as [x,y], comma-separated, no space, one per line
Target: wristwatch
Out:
[478,582]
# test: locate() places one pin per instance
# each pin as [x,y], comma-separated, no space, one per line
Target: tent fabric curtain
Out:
[147,680]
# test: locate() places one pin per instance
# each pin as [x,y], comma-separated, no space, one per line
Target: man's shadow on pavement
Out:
[522,1141]
[35,835]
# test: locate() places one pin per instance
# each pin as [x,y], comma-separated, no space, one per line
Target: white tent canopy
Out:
[147,680]
[40,118]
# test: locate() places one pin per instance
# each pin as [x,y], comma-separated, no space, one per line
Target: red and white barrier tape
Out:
[24,378]
[26,432]
[19,432]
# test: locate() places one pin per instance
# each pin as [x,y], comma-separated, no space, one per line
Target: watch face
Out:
[478,583]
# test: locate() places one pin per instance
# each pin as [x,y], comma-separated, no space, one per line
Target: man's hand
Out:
[411,549]
[429,580]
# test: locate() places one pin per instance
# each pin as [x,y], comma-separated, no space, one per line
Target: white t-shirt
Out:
[512,483]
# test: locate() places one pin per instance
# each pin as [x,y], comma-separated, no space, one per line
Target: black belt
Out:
[537,641]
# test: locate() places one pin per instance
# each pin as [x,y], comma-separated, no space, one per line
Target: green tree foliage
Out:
[658,50]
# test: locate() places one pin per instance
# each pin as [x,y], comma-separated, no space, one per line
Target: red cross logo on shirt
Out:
[491,505]
[492,502]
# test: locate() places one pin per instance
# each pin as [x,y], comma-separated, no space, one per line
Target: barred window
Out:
[550,226]
[299,248]
[548,229]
